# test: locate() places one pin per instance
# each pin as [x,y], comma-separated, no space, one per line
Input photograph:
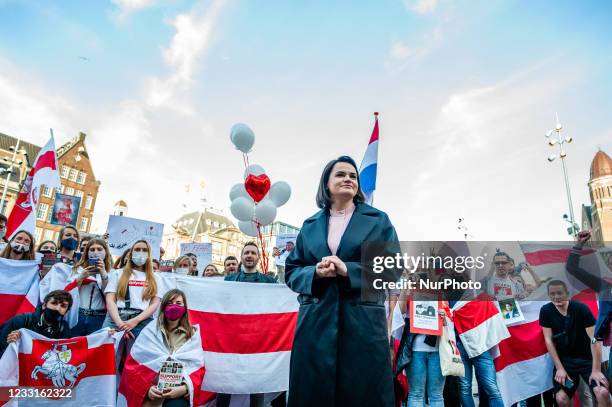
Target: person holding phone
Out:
[569,329]
[90,274]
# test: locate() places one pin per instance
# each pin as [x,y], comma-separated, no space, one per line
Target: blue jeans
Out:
[485,375]
[87,324]
[424,368]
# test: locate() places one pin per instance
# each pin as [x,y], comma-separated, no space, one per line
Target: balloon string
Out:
[264,255]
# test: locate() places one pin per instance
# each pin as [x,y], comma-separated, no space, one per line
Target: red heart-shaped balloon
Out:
[257,186]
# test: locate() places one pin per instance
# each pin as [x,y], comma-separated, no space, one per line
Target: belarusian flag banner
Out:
[18,287]
[247,332]
[84,365]
[43,172]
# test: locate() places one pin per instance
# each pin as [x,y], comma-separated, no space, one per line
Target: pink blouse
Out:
[338,221]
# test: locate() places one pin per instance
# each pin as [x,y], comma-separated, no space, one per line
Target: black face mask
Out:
[51,315]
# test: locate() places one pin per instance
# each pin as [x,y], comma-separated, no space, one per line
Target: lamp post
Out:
[554,137]
[9,170]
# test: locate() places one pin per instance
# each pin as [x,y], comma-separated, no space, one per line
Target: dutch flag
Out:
[367,171]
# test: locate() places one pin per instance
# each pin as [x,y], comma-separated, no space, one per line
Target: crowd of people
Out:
[342,352]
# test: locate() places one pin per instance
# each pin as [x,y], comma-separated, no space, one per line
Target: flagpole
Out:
[9,171]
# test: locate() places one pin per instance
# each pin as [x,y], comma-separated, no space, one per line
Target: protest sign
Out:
[65,210]
[203,252]
[281,245]
[123,232]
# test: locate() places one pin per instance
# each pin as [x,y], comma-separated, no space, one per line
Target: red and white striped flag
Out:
[479,324]
[72,316]
[525,352]
[145,361]
[43,172]
[18,287]
[247,332]
[84,365]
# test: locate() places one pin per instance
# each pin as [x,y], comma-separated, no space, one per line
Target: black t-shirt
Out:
[577,344]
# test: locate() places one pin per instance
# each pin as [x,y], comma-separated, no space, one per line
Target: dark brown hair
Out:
[324,199]
[184,321]
[59,295]
[61,235]
[29,255]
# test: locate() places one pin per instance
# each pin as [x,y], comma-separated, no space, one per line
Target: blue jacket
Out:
[601,286]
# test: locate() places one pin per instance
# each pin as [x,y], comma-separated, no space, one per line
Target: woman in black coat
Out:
[340,353]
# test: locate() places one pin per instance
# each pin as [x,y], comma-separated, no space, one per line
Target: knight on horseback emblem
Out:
[56,368]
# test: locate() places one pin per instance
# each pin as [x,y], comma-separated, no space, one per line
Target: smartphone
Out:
[92,262]
[569,383]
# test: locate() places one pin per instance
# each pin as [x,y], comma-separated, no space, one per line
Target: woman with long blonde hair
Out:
[132,292]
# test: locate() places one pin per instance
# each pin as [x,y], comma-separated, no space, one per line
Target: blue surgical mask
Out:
[70,243]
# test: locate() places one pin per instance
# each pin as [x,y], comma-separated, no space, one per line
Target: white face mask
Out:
[20,247]
[139,259]
[181,270]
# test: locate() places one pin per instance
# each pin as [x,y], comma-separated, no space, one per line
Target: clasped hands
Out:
[330,266]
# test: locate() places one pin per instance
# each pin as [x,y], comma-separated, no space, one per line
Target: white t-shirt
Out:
[90,294]
[419,345]
[280,259]
[505,287]
[136,284]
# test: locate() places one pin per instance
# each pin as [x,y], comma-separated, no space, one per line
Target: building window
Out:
[79,193]
[83,225]
[48,235]
[88,202]
[216,246]
[72,176]
[41,212]
[38,234]
[50,215]
[69,191]
[47,191]
[81,177]
[65,171]
[62,188]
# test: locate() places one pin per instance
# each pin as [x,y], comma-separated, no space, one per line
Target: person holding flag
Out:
[170,341]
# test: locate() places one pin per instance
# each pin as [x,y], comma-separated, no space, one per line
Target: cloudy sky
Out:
[465,90]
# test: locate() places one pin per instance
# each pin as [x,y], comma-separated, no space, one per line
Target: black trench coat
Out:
[340,353]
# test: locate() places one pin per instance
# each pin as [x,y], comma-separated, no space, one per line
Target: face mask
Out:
[51,315]
[139,258]
[20,247]
[97,255]
[174,312]
[181,270]
[70,243]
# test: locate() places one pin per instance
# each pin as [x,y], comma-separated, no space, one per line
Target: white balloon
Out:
[242,137]
[279,193]
[249,228]
[265,211]
[242,208]
[239,191]
[254,169]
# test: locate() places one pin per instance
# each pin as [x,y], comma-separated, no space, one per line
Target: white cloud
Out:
[192,38]
[401,53]
[421,6]
[127,7]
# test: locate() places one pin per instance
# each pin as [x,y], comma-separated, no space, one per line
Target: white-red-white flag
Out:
[524,367]
[83,366]
[18,287]
[43,172]
[145,361]
[479,324]
[247,332]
